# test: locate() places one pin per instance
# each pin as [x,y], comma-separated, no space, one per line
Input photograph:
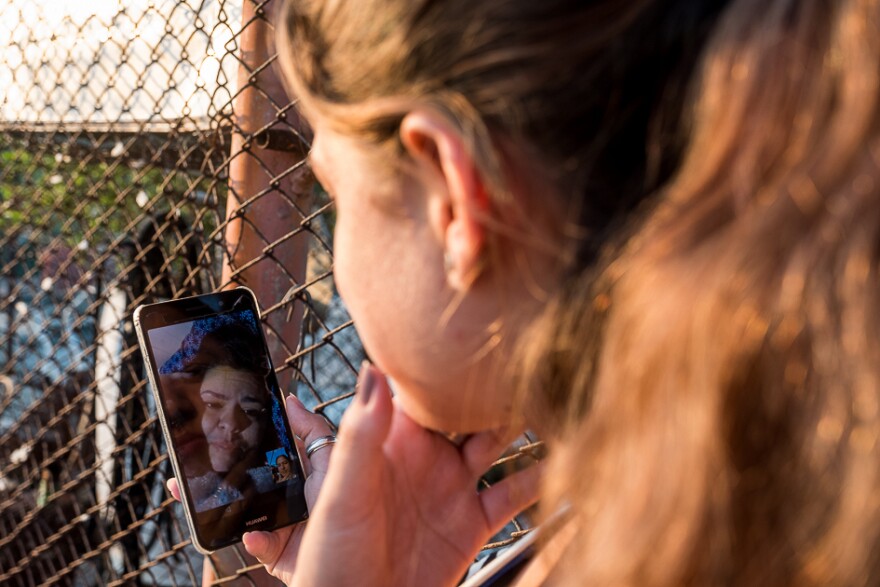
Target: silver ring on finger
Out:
[319,443]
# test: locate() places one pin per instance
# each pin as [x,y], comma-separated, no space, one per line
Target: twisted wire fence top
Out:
[122,137]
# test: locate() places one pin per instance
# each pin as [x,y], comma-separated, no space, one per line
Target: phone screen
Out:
[224,417]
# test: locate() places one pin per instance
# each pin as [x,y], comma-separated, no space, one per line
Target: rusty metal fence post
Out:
[270,185]
[269,197]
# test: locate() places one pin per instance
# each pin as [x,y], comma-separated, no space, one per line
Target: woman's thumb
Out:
[266,547]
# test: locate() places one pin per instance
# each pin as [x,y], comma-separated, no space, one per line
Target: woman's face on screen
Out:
[235,415]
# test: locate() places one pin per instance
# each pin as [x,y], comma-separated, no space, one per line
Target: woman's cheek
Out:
[340,257]
[346,265]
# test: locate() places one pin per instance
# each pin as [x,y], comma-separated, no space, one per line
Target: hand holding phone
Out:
[398,506]
[222,414]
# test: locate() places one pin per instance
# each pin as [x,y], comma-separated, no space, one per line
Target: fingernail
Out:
[292,399]
[366,383]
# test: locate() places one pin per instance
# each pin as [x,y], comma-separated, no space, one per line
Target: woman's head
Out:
[479,151]
[236,417]
[220,391]
[713,383]
[282,462]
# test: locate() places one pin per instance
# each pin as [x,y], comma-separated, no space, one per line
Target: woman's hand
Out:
[399,505]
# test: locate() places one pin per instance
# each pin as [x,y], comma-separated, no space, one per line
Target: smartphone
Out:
[223,416]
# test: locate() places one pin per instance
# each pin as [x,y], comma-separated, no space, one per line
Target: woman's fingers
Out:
[365,426]
[173,488]
[510,496]
[309,427]
[480,450]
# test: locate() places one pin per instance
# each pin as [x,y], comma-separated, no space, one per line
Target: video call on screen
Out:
[224,417]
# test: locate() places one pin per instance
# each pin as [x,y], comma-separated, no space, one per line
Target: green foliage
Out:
[90,198]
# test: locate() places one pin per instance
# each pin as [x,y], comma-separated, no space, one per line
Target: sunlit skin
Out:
[235,418]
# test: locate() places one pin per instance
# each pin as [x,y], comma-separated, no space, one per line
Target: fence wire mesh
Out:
[147,154]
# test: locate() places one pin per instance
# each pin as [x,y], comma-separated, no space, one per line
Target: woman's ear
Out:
[458,202]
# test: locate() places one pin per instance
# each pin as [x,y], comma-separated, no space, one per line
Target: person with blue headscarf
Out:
[226,431]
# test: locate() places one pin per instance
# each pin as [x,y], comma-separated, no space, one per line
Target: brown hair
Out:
[573,85]
[713,377]
[727,422]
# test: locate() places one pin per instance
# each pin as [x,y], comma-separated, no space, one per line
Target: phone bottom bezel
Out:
[269,505]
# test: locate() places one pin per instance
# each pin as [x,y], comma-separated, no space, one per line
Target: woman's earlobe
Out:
[460,201]
[464,252]
[461,276]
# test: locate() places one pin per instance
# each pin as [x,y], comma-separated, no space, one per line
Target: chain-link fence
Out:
[148,152]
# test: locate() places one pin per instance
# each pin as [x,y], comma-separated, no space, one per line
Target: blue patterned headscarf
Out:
[192,343]
[191,348]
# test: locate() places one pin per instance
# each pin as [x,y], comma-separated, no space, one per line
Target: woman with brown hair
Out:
[647,230]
